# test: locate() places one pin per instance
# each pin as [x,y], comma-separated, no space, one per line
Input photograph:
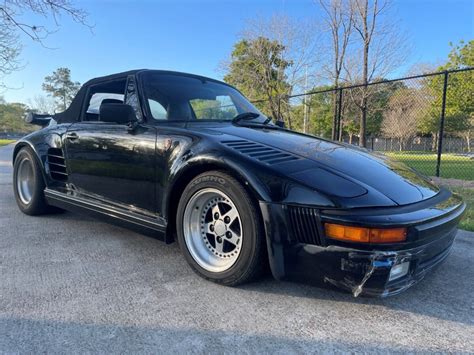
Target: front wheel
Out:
[219,230]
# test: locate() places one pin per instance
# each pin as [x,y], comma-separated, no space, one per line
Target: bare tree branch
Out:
[298,40]
[339,19]
[12,26]
[382,49]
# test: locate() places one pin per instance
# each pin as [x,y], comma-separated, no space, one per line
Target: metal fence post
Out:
[339,113]
[334,118]
[279,108]
[441,123]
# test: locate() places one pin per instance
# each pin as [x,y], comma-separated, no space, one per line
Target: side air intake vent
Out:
[304,224]
[260,152]
[57,164]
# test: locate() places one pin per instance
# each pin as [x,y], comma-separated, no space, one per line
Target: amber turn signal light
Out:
[365,235]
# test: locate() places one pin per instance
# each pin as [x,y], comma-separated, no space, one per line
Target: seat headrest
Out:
[179,111]
[111,101]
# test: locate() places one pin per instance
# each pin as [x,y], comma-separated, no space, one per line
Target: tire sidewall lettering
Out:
[210,178]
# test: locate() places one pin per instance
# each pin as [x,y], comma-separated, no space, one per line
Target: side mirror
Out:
[117,113]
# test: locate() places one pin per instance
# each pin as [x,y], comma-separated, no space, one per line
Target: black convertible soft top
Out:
[72,113]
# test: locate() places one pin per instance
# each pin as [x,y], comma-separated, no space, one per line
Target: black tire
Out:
[252,259]
[37,204]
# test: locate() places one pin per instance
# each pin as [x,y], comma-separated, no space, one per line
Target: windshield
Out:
[179,97]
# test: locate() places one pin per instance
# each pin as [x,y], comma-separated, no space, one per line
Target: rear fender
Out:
[26,144]
[39,142]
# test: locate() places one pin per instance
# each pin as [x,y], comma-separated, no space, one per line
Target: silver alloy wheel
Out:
[25,180]
[212,230]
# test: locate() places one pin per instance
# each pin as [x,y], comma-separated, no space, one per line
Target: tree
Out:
[382,48]
[459,97]
[256,68]
[320,112]
[60,86]
[12,25]
[293,44]
[402,115]
[459,111]
[298,45]
[338,18]
[376,106]
[42,104]
[9,49]
[12,118]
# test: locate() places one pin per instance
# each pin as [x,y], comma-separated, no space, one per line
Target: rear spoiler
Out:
[38,119]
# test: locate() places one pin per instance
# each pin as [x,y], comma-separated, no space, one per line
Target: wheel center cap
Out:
[220,228]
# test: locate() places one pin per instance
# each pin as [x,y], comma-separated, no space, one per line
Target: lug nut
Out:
[228,234]
[219,239]
[211,227]
[227,219]
[216,215]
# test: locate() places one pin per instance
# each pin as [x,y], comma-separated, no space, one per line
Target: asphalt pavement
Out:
[70,284]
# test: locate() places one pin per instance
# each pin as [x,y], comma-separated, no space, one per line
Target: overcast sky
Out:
[194,36]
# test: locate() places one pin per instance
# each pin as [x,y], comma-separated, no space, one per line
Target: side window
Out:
[158,112]
[221,108]
[131,98]
[110,92]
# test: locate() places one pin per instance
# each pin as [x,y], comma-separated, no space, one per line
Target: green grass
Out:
[467,194]
[6,141]
[452,166]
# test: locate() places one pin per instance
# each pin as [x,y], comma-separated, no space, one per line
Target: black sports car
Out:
[188,158]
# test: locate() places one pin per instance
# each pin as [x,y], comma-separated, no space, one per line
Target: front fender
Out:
[187,168]
[264,183]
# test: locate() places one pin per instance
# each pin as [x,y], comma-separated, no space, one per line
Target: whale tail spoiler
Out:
[38,119]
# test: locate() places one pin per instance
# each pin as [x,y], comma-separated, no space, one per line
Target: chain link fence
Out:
[426,121]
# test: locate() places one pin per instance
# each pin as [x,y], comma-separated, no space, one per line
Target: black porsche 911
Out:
[188,158]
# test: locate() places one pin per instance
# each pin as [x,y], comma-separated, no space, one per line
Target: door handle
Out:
[72,136]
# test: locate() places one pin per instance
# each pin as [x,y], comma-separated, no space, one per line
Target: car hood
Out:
[344,167]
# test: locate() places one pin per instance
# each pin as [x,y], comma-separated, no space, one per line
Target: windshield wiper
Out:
[245,116]
[250,116]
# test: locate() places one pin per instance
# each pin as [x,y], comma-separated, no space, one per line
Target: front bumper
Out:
[303,253]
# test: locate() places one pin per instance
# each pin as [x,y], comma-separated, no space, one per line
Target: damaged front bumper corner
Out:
[378,274]
[361,270]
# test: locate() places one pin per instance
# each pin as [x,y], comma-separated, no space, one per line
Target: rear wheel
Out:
[28,184]
[219,230]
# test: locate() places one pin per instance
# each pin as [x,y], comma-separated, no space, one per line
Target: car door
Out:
[108,161]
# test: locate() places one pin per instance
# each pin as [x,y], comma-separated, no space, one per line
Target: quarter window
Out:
[98,98]
[110,92]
